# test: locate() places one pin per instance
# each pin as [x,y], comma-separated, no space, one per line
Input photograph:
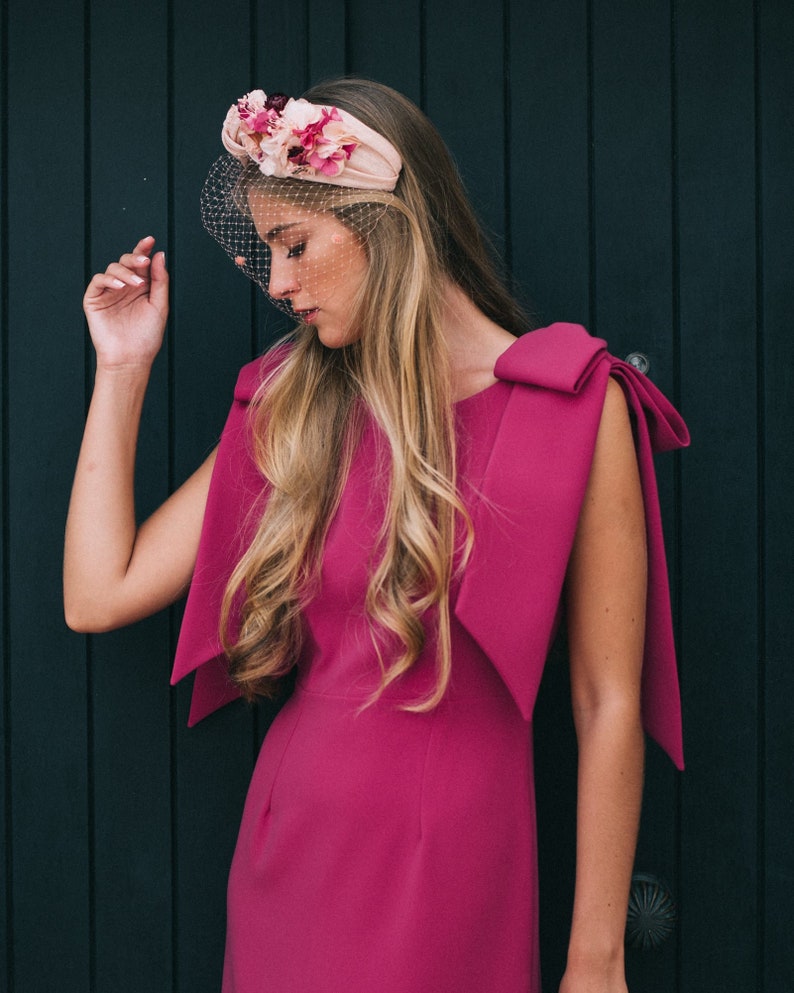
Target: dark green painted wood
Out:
[282,47]
[130,757]
[123,821]
[326,38]
[48,738]
[6,831]
[385,43]
[548,160]
[776,796]
[631,181]
[716,183]
[464,92]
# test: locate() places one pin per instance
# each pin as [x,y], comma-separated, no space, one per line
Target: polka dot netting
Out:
[303,243]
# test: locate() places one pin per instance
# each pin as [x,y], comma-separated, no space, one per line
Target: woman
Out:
[399,497]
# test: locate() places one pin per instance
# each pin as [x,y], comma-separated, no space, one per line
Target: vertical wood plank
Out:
[326,39]
[283,66]
[384,43]
[464,88]
[548,158]
[716,182]
[776,152]
[49,790]
[6,838]
[130,695]
[632,194]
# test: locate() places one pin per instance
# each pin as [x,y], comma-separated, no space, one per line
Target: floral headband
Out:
[294,138]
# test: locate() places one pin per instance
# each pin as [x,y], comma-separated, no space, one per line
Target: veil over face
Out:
[304,244]
[317,264]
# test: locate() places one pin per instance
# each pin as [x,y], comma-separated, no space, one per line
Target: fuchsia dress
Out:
[390,851]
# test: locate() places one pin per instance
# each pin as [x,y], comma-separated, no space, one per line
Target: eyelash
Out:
[296,250]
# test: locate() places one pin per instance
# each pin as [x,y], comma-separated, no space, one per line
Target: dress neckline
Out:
[478,395]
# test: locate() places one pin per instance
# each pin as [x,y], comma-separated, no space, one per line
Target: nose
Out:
[283,280]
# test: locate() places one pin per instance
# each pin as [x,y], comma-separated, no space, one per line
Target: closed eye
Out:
[296,250]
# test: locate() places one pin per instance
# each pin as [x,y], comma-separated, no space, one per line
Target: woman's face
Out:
[317,265]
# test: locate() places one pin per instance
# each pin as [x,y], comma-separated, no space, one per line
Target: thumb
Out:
[158,287]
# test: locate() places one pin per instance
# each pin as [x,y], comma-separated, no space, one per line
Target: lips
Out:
[307,316]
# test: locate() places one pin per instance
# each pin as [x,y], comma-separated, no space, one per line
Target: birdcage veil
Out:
[285,234]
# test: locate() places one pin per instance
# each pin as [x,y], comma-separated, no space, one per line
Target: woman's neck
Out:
[474,342]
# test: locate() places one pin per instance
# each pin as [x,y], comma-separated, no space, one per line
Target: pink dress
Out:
[380,849]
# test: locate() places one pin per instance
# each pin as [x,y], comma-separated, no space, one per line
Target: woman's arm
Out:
[115,572]
[606,593]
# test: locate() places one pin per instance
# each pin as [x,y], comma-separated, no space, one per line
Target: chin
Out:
[336,337]
[331,340]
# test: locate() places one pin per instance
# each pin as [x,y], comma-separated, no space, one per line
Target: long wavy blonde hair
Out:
[307,417]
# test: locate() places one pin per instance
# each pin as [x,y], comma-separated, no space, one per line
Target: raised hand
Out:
[126,307]
[116,572]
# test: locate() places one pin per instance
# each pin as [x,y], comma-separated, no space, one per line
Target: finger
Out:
[158,266]
[136,261]
[101,282]
[158,289]
[144,246]
[126,275]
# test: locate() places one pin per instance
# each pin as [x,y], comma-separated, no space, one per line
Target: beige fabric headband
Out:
[295,138]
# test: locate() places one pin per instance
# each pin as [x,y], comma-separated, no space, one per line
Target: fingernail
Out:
[137,280]
[118,283]
[141,258]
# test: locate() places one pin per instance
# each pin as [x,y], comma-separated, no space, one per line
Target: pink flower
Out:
[330,164]
[275,151]
[338,132]
[327,142]
[309,134]
[259,112]
[328,158]
[249,107]
[298,114]
[285,136]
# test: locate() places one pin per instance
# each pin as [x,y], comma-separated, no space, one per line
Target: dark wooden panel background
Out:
[633,160]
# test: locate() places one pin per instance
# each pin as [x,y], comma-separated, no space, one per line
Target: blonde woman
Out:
[406,494]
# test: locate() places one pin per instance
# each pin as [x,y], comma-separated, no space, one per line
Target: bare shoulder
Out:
[607,571]
[615,437]
[613,498]
[616,409]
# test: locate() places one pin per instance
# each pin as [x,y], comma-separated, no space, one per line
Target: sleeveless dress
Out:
[382,849]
